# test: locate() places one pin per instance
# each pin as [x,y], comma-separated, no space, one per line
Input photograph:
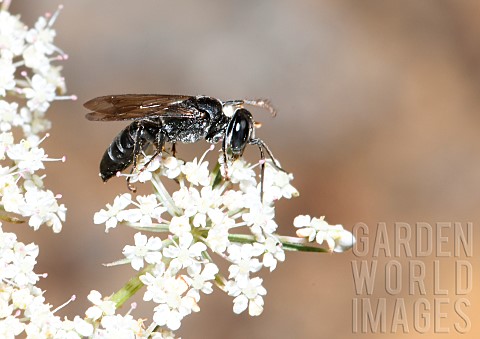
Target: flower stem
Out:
[129,289]
[288,243]
[164,196]
[217,176]
[11,219]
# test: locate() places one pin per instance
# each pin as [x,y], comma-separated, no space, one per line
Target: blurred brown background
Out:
[378,120]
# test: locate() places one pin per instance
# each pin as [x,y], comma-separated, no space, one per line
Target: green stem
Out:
[158,228]
[288,243]
[129,289]
[164,196]
[217,176]
[11,219]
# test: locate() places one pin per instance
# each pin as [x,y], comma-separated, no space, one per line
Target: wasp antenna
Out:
[262,103]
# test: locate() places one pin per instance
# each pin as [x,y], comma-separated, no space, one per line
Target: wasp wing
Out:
[137,106]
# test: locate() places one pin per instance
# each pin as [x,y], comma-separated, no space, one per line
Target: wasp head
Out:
[239,132]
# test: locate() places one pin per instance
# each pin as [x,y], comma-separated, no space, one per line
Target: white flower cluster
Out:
[24,311]
[207,216]
[337,238]
[111,325]
[29,82]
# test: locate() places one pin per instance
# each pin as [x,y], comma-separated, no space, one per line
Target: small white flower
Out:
[6,309]
[186,198]
[36,59]
[308,226]
[337,238]
[42,207]
[244,261]
[180,225]
[20,263]
[100,308]
[41,36]
[260,218]
[143,250]
[171,317]
[21,298]
[12,33]
[183,198]
[273,253]
[170,293]
[27,156]
[12,199]
[7,78]
[8,115]
[200,278]
[148,209]
[197,173]
[248,293]
[277,184]
[234,200]
[344,240]
[110,216]
[221,223]
[239,172]
[194,202]
[40,94]
[35,122]
[118,326]
[185,253]
[172,167]
[155,282]
[54,77]
[144,173]
[11,327]
[72,329]
[7,240]
[41,317]
[6,140]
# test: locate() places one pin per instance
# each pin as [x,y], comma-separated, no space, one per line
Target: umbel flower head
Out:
[212,214]
[29,82]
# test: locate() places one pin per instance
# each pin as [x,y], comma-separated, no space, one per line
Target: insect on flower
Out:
[159,118]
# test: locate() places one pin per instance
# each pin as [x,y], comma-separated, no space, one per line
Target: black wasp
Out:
[159,118]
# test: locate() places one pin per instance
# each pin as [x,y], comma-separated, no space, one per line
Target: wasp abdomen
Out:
[127,144]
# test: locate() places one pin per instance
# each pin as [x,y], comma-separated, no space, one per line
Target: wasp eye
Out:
[239,131]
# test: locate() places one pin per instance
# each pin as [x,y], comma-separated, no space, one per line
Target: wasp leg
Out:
[173,149]
[137,146]
[225,166]
[262,103]
[157,152]
[259,143]
[263,145]
[160,141]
